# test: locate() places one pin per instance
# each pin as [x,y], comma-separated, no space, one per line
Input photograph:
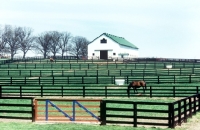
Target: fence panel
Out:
[134,113]
[97,91]
[16,108]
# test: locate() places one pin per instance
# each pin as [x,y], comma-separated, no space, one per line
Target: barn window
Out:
[114,54]
[103,40]
[93,54]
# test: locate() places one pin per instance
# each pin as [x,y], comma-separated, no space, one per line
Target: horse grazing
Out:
[135,85]
[51,60]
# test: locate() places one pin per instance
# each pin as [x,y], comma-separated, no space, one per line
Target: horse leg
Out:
[128,92]
[143,89]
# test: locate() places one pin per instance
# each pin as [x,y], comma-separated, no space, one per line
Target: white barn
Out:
[108,46]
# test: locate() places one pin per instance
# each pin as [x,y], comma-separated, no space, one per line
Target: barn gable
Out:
[120,40]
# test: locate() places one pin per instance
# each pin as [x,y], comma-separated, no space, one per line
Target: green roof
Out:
[120,40]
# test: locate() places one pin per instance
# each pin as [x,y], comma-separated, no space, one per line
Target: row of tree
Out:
[15,39]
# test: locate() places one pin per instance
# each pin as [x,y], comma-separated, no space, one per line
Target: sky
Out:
[159,28]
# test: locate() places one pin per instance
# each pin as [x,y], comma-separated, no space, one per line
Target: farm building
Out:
[108,46]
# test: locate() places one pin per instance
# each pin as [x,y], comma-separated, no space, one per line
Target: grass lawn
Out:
[192,124]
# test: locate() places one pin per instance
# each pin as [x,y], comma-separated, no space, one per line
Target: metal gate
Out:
[67,110]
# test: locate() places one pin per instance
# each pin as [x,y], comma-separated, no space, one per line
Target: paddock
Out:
[70,79]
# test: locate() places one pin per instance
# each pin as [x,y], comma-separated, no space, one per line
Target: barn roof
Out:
[120,40]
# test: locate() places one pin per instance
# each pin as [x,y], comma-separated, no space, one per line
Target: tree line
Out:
[50,43]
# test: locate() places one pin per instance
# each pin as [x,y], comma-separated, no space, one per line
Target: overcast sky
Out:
[159,28]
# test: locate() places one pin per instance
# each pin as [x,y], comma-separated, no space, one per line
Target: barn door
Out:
[104,54]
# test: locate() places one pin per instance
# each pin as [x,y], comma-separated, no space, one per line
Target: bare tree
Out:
[64,43]
[43,43]
[2,43]
[55,42]
[79,46]
[26,40]
[11,38]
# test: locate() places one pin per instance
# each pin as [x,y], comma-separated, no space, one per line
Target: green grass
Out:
[66,126]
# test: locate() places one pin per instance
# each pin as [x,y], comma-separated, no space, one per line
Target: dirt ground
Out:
[192,124]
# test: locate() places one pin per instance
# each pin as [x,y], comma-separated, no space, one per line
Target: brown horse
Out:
[135,85]
[51,60]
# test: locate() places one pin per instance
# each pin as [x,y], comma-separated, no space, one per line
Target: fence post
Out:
[198,102]
[179,112]
[150,92]
[40,73]
[41,91]
[10,80]
[20,91]
[25,80]
[106,91]
[39,80]
[0,91]
[103,112]
[35,105]
[174,93]
[82,79]
[190,79]
[53,80]
[33,109]
[97,80]
[185,110]
[134,114]
[62,90]
[195,104]
[171,115]
[190,107]
[174,79]
[83,91]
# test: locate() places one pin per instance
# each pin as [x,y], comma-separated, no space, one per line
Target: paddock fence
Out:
[110,72]
[53,80]
[93,59]
[100,65]
[138,113]
[163,90]
[162,114]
